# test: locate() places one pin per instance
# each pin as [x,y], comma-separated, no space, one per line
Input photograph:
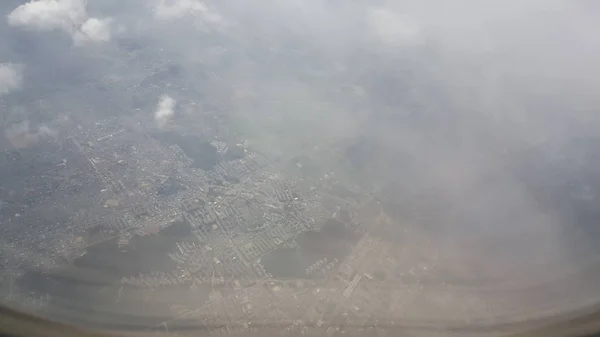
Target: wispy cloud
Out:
[22,135]
[169,10]
[11,77]
[393,28]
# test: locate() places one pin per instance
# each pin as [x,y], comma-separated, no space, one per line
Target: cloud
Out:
[178,9]
[46,15]
[93,30]
[169,10]
[11,77]
[164,111]
[69,16]
[21,135]
[393,28]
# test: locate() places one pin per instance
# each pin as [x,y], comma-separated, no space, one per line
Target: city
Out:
[153,240]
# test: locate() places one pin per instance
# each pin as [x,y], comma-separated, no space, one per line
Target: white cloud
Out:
[11,77]
[93,30]
[48,14]
[164,111]
[169,10]
[69,16]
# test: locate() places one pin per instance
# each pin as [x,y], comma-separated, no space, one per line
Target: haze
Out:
[474,123]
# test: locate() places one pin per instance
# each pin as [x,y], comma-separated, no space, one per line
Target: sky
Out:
[441,95]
